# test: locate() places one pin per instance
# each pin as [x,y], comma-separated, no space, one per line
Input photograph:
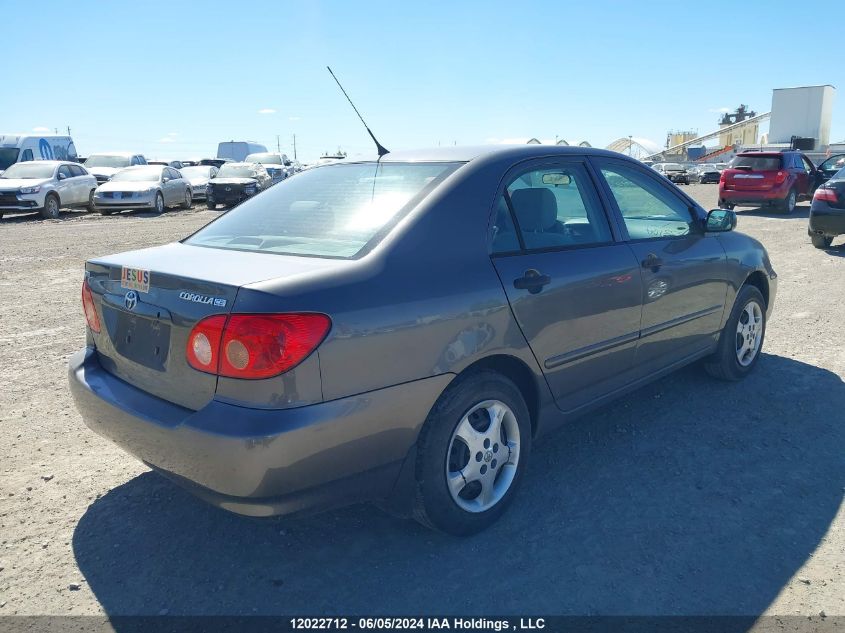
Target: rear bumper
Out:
[754,198]
[261,462]
[825,220]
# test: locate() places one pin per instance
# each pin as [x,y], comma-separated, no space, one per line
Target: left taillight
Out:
[255,346]
[91,316]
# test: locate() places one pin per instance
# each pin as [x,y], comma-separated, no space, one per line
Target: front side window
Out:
[649,208]
[26,156]
[333,211]
[64,171]
[8,156]
[554,207]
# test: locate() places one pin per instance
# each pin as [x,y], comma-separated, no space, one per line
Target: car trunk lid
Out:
[150,300]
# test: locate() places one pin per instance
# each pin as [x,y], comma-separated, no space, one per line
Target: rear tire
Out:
[741,328]
[787,205]
[189,199]
[484,478]
[821,241]
[51,207]
[90,206]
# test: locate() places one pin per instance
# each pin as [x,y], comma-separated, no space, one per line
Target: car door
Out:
[574,289]
[65,186]
[170,186]
[80,185]
[814,176]
[683,269]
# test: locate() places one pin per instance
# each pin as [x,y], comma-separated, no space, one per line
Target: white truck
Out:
[19,148]
[238,150]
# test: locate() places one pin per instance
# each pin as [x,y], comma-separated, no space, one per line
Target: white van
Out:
[15,148]
[238,150]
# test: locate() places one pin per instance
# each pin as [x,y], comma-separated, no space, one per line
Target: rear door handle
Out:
[532,281]
[652,261]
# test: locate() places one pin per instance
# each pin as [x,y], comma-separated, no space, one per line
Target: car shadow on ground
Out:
[690,496]
[801,211]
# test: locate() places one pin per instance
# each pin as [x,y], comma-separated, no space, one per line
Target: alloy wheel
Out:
[749,333]
[483,456]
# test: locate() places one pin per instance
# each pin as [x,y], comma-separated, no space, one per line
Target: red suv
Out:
[773,179]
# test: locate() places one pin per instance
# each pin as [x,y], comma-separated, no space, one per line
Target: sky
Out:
[172,79]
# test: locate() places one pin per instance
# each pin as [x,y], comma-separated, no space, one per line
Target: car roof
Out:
[127,154]
[472,152]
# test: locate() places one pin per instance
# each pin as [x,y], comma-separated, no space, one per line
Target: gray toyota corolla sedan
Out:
[404,330]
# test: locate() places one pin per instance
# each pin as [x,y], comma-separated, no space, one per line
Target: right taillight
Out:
[722,178]
[255,346]
[91,316]
[824,194]
[780,177]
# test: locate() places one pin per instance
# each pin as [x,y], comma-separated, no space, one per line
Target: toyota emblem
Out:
[130,300]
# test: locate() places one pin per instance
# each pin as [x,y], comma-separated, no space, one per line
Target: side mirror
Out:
[62,176]
[720,220]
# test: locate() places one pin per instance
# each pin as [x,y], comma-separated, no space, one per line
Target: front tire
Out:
[159,203]
[472,452]
[741,339]
[210,205]
[90,206]
[189,199]
[51,207]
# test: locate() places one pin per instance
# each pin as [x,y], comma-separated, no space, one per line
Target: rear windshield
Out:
[757,163]
[332,211]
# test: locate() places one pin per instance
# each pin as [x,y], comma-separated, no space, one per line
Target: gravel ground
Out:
[689,496]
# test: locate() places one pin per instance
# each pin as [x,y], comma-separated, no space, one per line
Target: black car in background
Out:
[827,212]
[235,182]
[708,173]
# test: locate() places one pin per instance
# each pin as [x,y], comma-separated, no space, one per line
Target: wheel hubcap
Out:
[749,333]
[483,456]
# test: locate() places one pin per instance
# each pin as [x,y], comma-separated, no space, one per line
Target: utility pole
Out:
[294,146]
[68,130]
[56,130]
[278,145]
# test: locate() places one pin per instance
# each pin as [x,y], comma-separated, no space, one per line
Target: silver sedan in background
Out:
[153,187]
[198,177]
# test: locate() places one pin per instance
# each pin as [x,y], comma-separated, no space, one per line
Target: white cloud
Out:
[40,129]
[166,139]
[266,111]
[293,118]
[173,134]
[722,109]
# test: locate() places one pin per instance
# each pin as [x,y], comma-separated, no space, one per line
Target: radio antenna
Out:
[379,147]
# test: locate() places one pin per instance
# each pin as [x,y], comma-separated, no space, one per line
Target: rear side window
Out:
[758,163]
[333,211]
[554,207]
[77,171]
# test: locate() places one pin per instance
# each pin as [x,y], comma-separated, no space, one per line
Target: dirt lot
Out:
[689,496]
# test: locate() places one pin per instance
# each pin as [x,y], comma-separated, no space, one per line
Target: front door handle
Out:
[653,262]
[532,281]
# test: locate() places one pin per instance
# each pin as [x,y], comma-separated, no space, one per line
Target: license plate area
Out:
[140,339]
